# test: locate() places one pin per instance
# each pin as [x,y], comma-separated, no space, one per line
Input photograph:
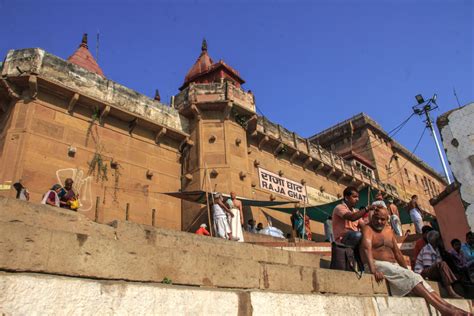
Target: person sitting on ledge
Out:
[385,261]
[69,199]
[346,224]
[430,265]
[252,226]
[52,196]
[202,230]
[420,243]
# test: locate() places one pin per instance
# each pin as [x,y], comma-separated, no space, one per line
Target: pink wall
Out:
[451,216]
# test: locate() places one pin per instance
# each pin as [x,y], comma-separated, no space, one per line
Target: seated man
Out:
[202,230]
[431,266]
[385,260]
[346,223]
[420,243]
[468,248]
[461,266]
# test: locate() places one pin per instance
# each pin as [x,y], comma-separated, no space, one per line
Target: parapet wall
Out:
[37,62]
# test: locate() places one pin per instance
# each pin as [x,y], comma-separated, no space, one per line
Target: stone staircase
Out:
[55,261]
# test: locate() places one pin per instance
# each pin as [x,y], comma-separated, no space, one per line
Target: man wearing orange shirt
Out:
[346,225]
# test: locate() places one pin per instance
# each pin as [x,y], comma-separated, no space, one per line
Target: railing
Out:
[214,92]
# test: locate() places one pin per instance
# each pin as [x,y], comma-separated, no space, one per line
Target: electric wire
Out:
[412,153]
[390,135]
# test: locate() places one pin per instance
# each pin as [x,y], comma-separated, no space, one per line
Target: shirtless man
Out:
[394,217]
[220,211]
[237,221]
[384,259]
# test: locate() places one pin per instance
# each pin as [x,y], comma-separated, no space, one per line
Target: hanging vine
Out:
[116,167]
[242,120]
[98,166]
[94,118]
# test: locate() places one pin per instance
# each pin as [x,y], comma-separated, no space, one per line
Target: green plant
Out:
[117,175]
[98,167]
[94,118]
[283,150]
[167,281]
[242,120]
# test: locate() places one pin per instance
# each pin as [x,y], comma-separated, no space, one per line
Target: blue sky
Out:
[310,64]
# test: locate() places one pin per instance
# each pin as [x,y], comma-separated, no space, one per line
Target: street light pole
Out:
[426,111]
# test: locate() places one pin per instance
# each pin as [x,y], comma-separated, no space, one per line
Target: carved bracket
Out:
[159,134]
[33,84]
[104,114]
[73,102]
[263,141]
[11,89]
[294,156]
[132,124]
[307,162]
[278,149]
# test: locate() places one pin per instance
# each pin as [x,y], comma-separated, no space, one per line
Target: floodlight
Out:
[419,99]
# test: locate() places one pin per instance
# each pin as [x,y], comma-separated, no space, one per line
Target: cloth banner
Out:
[320,213]
[200,197]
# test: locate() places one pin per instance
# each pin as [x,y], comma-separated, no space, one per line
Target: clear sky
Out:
[310,64]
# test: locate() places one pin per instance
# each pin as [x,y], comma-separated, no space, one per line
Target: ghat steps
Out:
[46,253]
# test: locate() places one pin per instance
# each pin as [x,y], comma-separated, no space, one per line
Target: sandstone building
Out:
[65,118]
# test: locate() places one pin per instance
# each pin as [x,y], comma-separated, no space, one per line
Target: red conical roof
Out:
[82,57]
[205,70]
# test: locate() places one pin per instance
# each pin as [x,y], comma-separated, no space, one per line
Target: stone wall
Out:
[35,61]
[37,150]
[456,131]
[25,293]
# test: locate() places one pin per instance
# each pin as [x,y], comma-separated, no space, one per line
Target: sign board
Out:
[272,182]
[316,197]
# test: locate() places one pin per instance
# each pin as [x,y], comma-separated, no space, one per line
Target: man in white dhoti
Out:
[384,259]
[219,211]
[237,220]
[394,218]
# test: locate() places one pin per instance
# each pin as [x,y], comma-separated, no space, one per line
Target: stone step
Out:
[39,238]
[28,293]
[56,219]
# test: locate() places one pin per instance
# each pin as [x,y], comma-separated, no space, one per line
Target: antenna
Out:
[97,46]
[456,95]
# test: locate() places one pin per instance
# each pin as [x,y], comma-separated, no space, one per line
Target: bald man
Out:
[384,259]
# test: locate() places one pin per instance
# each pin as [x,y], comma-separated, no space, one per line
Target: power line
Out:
[390,134]
[411,154]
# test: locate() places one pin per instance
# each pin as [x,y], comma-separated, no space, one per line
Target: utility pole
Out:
[424,108]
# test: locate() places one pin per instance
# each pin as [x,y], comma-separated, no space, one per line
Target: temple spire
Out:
[157,95]
[204,45]
[82,57]
[84,41]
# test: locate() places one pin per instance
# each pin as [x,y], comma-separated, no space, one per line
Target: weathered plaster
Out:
[37,61]
[457,132]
